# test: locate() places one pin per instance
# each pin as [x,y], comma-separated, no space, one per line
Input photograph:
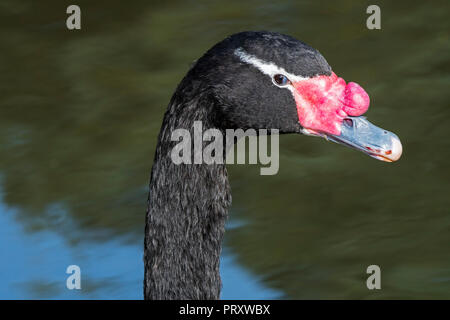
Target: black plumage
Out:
[188,203]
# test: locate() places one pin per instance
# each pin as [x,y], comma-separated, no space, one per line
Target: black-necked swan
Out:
[258,80]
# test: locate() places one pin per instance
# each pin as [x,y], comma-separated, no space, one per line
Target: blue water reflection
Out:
[34,264]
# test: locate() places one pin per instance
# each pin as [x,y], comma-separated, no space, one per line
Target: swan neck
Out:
[187,210]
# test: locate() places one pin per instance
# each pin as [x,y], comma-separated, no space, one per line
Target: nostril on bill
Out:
[349,122]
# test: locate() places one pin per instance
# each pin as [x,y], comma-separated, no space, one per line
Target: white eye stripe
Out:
[267,68]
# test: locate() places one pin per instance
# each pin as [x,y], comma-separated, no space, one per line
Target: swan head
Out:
[266,80]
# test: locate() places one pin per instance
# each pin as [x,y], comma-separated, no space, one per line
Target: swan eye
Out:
[281,80]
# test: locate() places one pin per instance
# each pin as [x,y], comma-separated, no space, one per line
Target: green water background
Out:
[80,112]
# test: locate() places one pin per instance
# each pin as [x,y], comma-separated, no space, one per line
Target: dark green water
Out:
[80,112]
